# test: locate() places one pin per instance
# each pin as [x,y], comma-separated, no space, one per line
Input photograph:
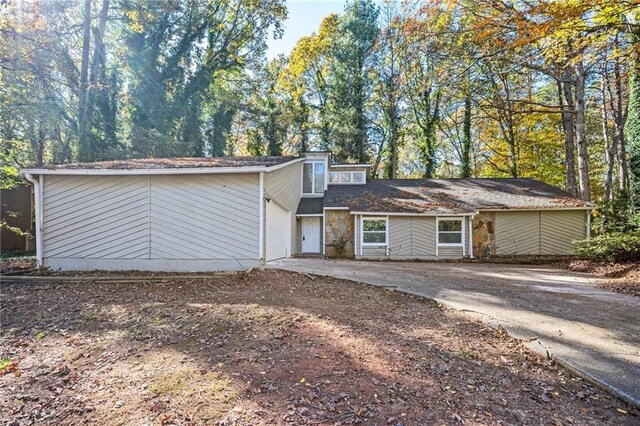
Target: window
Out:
[374,231]
[313,178]
[346,177]
[450,232]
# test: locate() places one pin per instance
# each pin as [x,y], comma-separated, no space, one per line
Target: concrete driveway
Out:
[590,330]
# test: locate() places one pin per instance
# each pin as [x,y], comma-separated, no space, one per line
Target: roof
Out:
[449,196]
[310,206]
[168,166]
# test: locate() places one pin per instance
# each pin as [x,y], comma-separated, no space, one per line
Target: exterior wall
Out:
[179,222]
[539,232]
[410,237]
[284,185]
[338,223]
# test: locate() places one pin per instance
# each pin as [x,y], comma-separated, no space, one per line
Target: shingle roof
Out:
[448,195]
[310,206]
[176,163]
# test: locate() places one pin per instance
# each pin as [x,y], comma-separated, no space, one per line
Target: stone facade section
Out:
[484,234]
[338,224]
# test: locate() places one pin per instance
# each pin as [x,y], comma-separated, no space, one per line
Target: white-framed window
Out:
[313,177]
[450,232]
[374,231]
[347,177]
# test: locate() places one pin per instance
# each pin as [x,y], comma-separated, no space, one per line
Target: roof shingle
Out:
[176,163]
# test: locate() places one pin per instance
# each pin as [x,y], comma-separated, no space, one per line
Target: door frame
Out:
[317,221]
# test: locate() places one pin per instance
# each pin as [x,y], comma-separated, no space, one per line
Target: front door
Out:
[311,234]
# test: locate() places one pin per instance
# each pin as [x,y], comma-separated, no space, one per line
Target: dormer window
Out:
[347,177]
[313,178]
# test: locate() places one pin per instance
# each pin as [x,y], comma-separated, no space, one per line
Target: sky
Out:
[304,19]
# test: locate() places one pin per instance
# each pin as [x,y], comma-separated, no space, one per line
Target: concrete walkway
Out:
[589,330]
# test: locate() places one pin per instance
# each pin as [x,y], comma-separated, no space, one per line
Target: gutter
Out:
[38,195]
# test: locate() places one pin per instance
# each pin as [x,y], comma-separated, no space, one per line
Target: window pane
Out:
[450,238]
[450,225]
[374,225]
[374,237]
[334,177]
[307,174]
[345,177]
[358,177]
[319,174]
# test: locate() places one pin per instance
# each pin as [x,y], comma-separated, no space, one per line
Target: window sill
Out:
[450,245]
[374,244]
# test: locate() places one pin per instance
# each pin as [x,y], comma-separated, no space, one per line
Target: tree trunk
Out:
[567,108]
[581,137]
[465,169]
[84,75]
[608,149]
[620,116]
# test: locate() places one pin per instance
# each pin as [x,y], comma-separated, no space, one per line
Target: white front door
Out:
[311,234]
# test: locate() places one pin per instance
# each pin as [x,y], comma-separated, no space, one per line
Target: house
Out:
[188,214]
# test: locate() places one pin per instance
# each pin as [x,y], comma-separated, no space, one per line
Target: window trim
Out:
[385,219]
[462,231]
[351,174]
[313,179]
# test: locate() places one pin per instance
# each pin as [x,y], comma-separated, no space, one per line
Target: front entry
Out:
[311,228]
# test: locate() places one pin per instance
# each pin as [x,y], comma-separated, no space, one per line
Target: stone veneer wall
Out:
[484,234]
[338,223]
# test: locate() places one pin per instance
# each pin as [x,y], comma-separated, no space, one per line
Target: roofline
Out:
[161,171]
[415,214]
[350,165]
[537,209]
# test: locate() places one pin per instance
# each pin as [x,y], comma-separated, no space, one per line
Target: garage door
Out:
[278,232]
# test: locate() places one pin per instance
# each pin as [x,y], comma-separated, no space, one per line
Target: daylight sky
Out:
[304,18]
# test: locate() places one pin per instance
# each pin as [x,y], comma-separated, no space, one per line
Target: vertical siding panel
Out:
[87,217]
[559,229]
[400,236]
[517,233]
[204,217]
[423,237]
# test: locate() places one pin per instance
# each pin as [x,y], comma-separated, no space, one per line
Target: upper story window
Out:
[313,178]
[346,177]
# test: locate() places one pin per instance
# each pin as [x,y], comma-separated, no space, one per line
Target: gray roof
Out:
[176,163]
[310,206]
[449,196]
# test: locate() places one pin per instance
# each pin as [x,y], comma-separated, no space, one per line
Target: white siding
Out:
[278,241]
[284,185]
[185,222]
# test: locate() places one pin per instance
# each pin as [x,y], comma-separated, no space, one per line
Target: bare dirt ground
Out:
[619,277]
[271,347]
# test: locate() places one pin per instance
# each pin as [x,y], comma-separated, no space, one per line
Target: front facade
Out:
[236,213]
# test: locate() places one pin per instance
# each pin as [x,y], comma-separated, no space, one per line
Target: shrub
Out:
[340,245]
[612,247]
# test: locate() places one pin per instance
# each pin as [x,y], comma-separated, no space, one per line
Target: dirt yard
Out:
[619,277]
[271,348]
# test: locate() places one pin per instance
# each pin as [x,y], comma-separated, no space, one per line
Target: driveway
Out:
[562,313]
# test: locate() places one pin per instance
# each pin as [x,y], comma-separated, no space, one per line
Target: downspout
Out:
[37,195]
[261,221]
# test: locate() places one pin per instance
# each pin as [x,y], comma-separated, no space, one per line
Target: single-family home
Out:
[204,214]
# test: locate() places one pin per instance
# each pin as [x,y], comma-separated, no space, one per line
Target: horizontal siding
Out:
[424,237]
[204,217]
[558,230]
[400,236]
[517,233]
[96,217]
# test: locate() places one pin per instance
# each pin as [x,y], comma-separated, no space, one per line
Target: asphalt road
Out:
[592,331]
